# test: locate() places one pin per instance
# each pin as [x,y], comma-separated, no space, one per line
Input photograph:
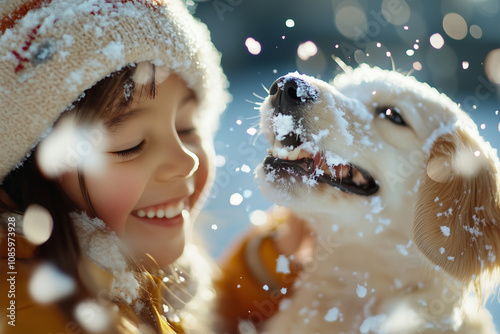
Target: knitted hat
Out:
[52,51]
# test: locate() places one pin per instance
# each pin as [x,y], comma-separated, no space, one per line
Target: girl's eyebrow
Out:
[113,124]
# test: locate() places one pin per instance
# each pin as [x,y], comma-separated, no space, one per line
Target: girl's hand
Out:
[292,236]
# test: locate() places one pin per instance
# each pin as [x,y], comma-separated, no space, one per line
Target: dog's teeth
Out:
[344,170]
[295,154]
[327,170]
[358,177]
[304,154]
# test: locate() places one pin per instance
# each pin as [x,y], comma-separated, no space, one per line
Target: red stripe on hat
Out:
[10,20]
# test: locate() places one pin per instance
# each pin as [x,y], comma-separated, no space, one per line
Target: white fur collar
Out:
[105,249]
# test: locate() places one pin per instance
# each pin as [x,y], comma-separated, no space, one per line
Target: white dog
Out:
[402,194]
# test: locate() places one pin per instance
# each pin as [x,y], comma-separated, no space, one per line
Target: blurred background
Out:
[452,45]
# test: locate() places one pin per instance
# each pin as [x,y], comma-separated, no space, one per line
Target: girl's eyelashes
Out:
[187,131]
[130,152]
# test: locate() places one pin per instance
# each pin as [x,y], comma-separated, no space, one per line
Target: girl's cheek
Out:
[204,176]
[114,195]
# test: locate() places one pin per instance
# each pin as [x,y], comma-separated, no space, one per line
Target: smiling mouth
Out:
[287,159]
[167,211]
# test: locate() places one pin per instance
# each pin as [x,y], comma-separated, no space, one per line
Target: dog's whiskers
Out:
[265,88]
[410,72]
[258,96]
[343,66]
[253,102]
[392,61]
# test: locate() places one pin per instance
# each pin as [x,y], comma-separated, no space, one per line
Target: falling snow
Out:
[282,265]
[361,291]
[332,315]
[445,230]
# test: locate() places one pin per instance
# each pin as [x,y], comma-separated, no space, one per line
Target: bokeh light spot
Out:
[359,56]
[476,31]
[48,284]
[350,21]
[246,169]
[307,50]
[492,66]
[437,41]
[290,23]
[253,46]
[251,131]
[219,161]
[455,26]
[417,66]
[236,199]
[396,12]
[93,317]
[258,217]
[37,224]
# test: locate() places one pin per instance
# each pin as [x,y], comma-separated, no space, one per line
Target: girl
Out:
[108,110]
[132,91]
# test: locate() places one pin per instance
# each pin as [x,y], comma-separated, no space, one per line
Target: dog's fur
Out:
[403,259]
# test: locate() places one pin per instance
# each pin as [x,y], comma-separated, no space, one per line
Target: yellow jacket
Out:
[249,288]
[22,314]
[251,285]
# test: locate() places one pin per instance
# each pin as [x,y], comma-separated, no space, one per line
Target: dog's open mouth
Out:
[288,158]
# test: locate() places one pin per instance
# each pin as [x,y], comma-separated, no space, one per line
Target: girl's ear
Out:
[457,215]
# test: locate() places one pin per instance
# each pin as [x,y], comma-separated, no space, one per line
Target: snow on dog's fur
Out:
[402,194]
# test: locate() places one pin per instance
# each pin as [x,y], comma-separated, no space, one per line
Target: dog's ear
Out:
[457,215]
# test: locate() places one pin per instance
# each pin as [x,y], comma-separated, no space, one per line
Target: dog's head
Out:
[376,150]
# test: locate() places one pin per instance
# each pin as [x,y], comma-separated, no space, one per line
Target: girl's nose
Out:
[178,161]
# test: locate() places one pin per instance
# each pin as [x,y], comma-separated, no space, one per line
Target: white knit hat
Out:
[52,51]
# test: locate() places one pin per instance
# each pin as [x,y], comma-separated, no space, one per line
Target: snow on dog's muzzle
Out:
[289,93]
[295,154]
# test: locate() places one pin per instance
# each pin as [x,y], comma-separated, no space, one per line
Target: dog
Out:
[402,195]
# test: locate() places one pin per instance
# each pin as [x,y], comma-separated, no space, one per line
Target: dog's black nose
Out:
[287,93]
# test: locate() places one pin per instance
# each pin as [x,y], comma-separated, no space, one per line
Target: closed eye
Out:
[187,131]
[392,114]
[130,152]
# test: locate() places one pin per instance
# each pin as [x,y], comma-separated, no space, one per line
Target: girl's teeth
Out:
[168,212]
[160,213]
[171,212]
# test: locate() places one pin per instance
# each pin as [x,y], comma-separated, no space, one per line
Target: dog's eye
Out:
[392,114]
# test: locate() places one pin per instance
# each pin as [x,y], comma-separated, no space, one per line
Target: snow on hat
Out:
[52,51]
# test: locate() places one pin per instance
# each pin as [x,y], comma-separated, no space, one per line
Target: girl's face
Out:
[156,164]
